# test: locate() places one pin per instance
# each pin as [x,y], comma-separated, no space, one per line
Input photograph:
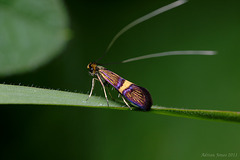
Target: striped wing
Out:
[135,94]
[138,96]
[111,77]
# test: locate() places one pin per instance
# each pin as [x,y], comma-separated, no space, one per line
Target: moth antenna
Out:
[142,19]
[171,53]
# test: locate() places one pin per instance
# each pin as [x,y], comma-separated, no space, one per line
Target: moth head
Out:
[92,68]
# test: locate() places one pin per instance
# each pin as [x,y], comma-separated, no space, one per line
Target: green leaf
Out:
[32,33]
[11,94]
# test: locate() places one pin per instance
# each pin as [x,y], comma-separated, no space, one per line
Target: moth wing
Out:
[138,96]
[110,77]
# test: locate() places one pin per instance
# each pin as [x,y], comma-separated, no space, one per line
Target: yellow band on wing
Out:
[125,85]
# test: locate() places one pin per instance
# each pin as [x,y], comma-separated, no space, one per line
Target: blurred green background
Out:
[201,82]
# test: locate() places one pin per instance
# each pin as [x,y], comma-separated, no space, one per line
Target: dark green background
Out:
[202,82]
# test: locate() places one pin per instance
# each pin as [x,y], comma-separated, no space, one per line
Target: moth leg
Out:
[93,83]
[110,94]
[103,89]
[126,103]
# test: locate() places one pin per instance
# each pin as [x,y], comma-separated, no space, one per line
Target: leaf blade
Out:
[32,33]
[12,94]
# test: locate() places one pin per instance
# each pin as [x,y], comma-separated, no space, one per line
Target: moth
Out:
[130,92]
